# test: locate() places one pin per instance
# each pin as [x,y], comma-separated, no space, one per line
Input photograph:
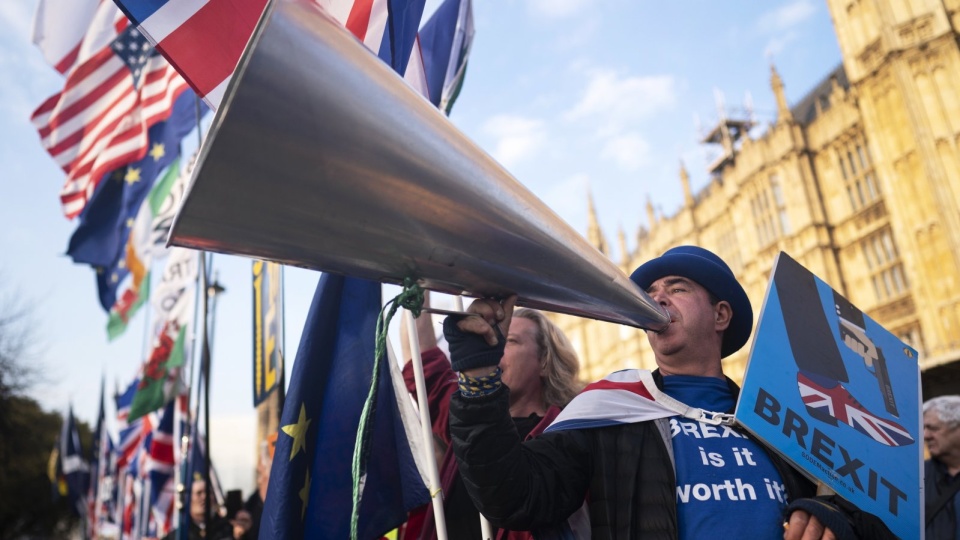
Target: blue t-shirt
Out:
[727,487]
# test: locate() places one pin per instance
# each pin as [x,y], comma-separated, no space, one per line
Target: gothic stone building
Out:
[859,182]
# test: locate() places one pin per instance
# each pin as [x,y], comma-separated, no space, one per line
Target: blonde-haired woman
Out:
[539,367]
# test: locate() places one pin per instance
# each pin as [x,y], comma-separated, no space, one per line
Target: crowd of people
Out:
[237,519]
[519,443]
[526,451]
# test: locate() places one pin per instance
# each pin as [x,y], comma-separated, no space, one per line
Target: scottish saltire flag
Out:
[73,468]
[310,492]
[115,90]
[105,223]
[445,42]
[623,397]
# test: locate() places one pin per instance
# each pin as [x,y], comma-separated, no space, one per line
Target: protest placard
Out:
[838,396]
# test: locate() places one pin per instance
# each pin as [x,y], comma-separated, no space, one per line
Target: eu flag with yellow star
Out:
[105,222]
[310,491]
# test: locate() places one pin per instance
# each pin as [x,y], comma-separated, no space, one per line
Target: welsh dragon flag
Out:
[172,301]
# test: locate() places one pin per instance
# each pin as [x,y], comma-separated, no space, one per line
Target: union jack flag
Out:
[160,463]
[623,397]
[828,401]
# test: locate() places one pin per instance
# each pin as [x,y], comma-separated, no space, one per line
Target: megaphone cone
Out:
[322,157]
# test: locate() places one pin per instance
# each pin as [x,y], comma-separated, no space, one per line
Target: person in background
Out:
[941,433]
[242,524]
[254,503]
[220,528]
[540,366]
[620,442]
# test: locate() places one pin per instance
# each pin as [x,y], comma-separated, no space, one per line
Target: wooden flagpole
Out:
[433,475]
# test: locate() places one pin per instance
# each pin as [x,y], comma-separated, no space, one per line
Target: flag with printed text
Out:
[173,301]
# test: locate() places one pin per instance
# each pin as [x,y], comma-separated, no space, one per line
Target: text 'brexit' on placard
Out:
[825,450]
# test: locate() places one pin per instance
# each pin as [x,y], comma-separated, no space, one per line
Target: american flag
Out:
[827,399]
[116,90]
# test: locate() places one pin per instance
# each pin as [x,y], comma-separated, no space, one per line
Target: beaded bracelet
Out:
[483,385]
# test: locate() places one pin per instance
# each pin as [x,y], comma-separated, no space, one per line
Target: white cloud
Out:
[786,17]
[629,151]
[613,101]
[778,43]
[557,8]
[516,138]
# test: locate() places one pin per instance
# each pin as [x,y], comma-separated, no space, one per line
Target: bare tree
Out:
[18,347]
[27,433]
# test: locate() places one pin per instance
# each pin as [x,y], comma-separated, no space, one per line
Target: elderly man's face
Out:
[940,437]
[693,319]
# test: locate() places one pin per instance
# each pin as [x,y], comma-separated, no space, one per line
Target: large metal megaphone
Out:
[322,157]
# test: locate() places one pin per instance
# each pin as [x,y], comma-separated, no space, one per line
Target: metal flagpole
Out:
[188,437]
[205,374]
[436,493]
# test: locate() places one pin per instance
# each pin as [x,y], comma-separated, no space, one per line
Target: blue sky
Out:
[571,96]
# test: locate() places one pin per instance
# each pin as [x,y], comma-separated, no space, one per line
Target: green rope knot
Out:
[410,298]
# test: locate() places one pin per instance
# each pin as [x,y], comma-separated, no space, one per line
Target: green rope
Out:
[410,298]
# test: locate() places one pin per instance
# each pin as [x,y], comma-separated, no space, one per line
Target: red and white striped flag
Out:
[114,92]
[623,397]
[204,39]
[58,30]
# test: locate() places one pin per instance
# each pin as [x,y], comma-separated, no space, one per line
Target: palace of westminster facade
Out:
[859,182]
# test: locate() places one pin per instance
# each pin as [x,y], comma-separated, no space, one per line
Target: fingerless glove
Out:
[468,350]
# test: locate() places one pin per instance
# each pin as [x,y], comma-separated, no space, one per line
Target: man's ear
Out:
[724,314]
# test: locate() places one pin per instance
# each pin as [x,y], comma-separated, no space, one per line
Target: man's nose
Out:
[659,297]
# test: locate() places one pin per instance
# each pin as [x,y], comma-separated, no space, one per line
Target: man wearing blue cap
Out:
[651,452]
